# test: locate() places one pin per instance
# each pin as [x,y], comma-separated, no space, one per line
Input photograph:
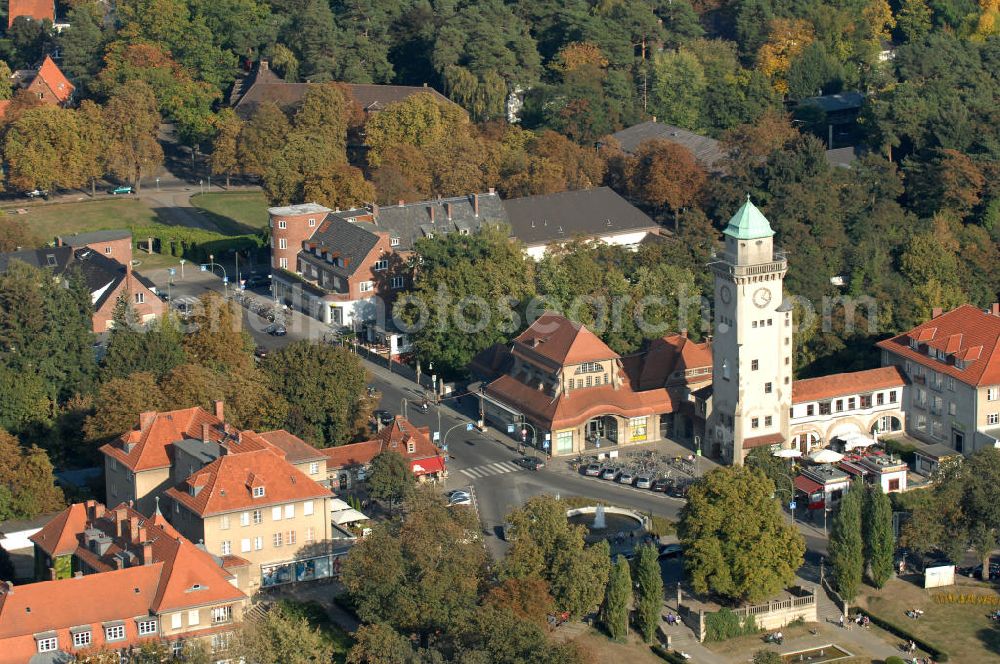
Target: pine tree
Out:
[650,591]
[846,548]
[617,599]
[880,541]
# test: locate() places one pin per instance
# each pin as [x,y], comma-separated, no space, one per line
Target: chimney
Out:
[401,201]
[133,531]
[119,562]
[684,332]
[936,311]
[995,309]
[220,412]
[431,208]
[264,65]
[59,241]
[146,418]
[147,552]
[475,204]
[141,534]
[121,519]
[375,211]
[448,208]
[492,191]
[205,428]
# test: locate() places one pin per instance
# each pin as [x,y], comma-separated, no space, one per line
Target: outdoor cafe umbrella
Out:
[788,454]
[826,456]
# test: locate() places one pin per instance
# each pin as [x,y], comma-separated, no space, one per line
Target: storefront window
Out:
[564,441]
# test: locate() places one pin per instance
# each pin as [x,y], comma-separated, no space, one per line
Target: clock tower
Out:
[752,344]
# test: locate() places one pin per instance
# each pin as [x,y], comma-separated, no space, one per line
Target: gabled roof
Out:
[342,240]
[191,577]
[56,80]
[964,335]
[78,240]
[399,436]
[705,149]
[35,9]
[225,485]
[748,223]
[846,384]
[58,537]
[670,354]
[559,341]
[294,448]
[147,447]
[585,213]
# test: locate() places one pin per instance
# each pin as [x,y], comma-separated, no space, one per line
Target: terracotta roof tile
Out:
[670,354]
[400,436]
[146,447]
[842,384]
[226,484]
[966,333]
[36,9]
[294,448]
[56,80]
[58,536]
[355,454]
[560,341]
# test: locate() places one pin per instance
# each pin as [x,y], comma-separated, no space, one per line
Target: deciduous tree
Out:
[390,478]
[420,120]
[132,122]
[42,149]
[736,540]
[225,148]
[118,404]
[846,547]
[219,341]
[280,636]
[26,472]
[664,174]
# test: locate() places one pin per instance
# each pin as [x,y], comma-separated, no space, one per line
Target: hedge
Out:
[724,624]
[936,653]
[194,244]
[668,655]
[903,450]
[991,601]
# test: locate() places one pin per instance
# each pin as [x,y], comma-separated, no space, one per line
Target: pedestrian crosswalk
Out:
[486,470]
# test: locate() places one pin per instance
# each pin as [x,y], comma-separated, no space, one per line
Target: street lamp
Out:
[182,267]
[444,440]
[225,278]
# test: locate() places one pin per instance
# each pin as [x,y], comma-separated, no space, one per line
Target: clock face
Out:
[761,297]
[725,294]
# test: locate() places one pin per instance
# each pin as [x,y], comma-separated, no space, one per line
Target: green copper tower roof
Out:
[748,223]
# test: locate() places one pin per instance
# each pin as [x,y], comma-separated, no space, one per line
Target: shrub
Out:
[724,624]
[894,660]
[966,598]
[936,653]
[900,448]
[668,655]
[660,526]
[767,657]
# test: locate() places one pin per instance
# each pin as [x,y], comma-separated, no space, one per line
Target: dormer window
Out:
[394,242]
[258,492]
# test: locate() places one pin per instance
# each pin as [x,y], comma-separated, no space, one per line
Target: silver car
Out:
[626,478]
[643,483]
[608,474]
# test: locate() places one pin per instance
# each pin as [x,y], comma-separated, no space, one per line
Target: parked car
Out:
[643,482]
[383,416]
[260,352]
[123,189]
[276,329]
[609,473]
[256,280]
[530,462]
[458,497]
[37,193]
[661,485]
[592,470]
[678,491]
[626,478]
[670,551]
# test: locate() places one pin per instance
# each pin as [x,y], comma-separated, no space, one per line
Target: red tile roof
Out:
[670,354]
[761,441]
[966,333]
[226,484]
[558,341]
[843,384]
[35,9]
[56,80]
[146,447]
[294,448]
[806,485]
[581,404]
[398,437]
[58,537]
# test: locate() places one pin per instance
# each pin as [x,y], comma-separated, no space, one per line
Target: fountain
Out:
[599,520]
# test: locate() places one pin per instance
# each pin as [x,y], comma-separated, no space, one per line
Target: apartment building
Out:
[133,578]
[953,364]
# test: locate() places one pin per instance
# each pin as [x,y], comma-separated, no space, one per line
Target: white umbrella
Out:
[348,516]
[826,456]
[788,454]
[860,442]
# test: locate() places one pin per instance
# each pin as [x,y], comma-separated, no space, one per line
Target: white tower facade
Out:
[752,345]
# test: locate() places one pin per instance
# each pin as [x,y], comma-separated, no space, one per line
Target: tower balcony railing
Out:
[780,264]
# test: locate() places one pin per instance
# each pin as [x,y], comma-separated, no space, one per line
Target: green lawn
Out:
[235,212]
[49,220]
[964,631]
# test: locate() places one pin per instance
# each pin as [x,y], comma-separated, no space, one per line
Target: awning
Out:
[336,505]
[807,486]
[348,516]
[427,466]
[761,441]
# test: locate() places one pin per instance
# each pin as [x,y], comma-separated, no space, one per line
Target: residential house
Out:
[15,539]
[349,463]
[50,85]
[36,10]
[113,244]
[134,579]
[953,364]
[705,149]
[106,279]
[262,84]
[598,214]
[262,496]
